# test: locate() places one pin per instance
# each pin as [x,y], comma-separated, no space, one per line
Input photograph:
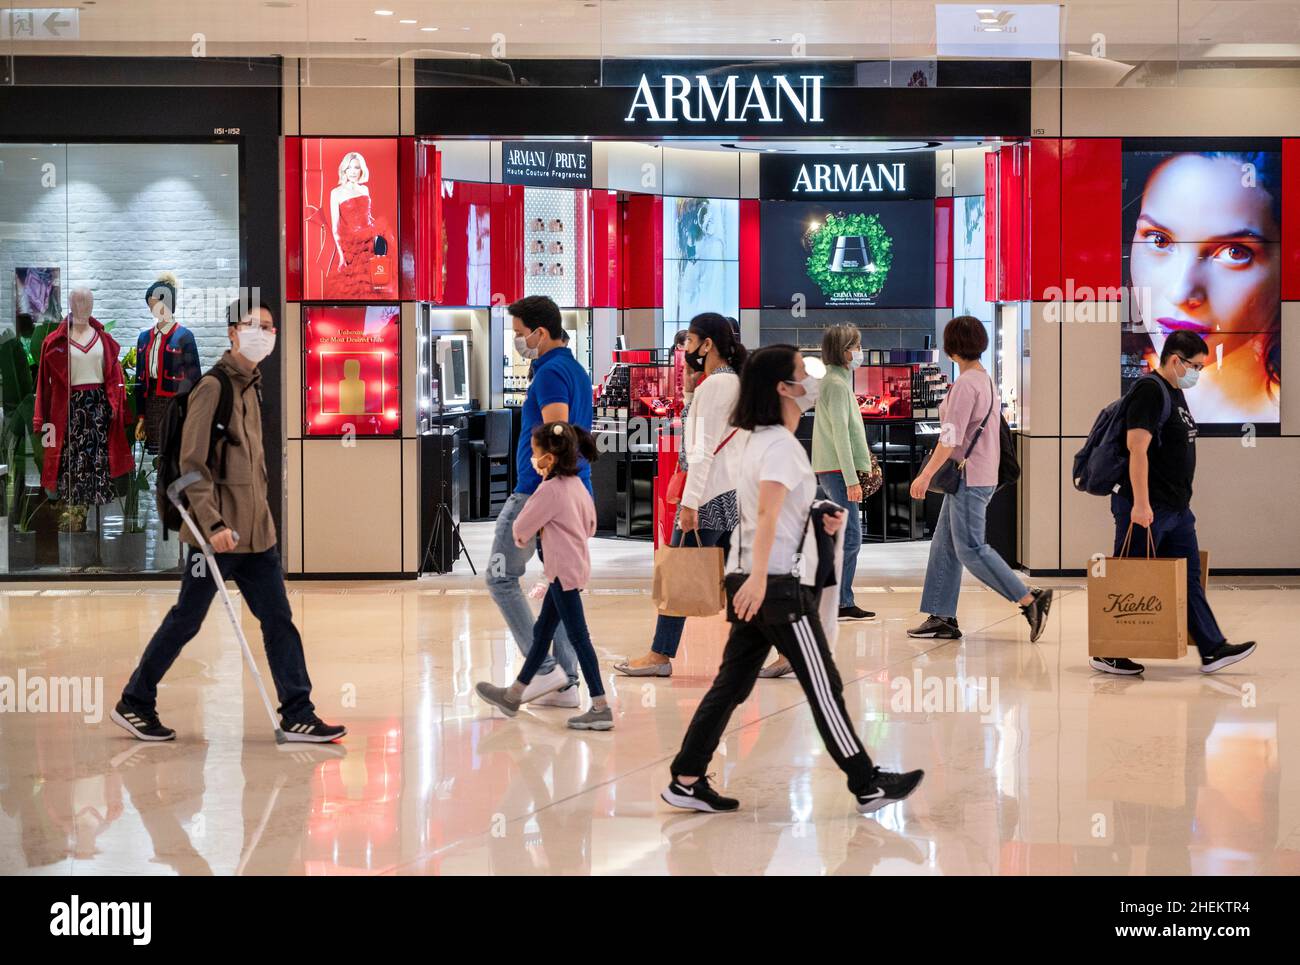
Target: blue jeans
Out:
[837,491]
[504,570]
[260,579]
[563,606]
[668,630]
[958,542]
[1174,533]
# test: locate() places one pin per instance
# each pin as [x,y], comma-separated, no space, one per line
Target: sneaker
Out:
[936,628]
[566,697]
[855,613]
[1116,665]
[777,668]
[544,683]
[699,796]
[593,719]
[1036,613]
[498,697]
[1227,655]
[145,727]
[888,788]
[664,669]
[311,730]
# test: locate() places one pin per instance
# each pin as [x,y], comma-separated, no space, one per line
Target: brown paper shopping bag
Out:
[1137,606]
[688,580]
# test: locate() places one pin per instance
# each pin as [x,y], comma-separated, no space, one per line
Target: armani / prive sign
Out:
[678,97]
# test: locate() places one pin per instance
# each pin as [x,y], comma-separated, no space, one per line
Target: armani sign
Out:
[695,99]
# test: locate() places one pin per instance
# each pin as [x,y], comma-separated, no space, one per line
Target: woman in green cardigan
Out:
[839,449]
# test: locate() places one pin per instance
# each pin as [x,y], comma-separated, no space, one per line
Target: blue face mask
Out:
[1188,378]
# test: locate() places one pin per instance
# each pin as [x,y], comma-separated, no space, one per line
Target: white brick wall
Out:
[118,216]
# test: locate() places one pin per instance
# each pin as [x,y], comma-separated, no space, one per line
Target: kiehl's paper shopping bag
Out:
[1137,607]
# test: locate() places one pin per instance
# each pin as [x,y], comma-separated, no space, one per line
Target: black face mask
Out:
[695,360]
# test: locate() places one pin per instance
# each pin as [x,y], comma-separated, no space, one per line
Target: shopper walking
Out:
[559,391]
[839,450]
[229,503]
[707,510]
[561,509]
[1156,493]
[958,540]
[776,538]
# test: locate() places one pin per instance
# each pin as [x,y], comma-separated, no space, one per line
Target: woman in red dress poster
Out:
[362,264]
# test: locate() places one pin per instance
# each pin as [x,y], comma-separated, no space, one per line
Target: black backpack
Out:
[170,429]
[1008,466]
[1101,465]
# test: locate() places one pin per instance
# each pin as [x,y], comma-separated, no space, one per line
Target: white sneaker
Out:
[564,697]
[545,683]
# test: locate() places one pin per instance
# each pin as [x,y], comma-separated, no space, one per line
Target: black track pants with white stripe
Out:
[804,645]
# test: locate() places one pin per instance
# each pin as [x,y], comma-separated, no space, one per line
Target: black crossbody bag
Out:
[948,478]
[786,601]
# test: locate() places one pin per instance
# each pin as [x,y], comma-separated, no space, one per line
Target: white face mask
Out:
[523,348]
[856,359]
[812,388]
[255,344]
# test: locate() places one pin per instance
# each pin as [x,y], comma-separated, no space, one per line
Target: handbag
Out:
[688,580]
[948,478]
[871,481]
[787,600]
[677,481]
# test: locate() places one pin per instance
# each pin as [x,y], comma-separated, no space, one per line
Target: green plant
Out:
[137,482]
[822,249]
[17,446]
[72,519]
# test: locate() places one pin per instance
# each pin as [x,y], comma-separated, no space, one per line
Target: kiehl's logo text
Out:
[132,919]
[1131,605]
[694,99]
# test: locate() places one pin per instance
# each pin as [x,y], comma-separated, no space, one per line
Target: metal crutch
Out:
[174,495]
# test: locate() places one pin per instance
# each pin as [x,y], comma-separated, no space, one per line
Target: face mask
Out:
[523,348]
[811,390]
[695,360]
[1188,378]
[255,344]
[856,359]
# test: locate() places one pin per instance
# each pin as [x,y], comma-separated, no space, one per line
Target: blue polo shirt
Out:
[557,377]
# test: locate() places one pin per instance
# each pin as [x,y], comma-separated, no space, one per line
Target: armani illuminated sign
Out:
[678,97]
[850,178]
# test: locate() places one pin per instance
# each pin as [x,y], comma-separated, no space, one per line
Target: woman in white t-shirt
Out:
[775,488]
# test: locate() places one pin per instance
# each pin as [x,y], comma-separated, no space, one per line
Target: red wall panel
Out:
[1044,216]
[1091,228]
[603,254]
[750,253]
[1290,253]
[942,252]
[466,228]
[643,251]
[991,221]
[1012,187]
[293,219]
[427,227]
[507,237]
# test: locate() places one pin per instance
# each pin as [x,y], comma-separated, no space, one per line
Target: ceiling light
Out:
[383,13]
[985,11]
[993,30]
[428,30]
[408,21]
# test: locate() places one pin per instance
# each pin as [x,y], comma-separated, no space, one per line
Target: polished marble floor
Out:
[1035,764]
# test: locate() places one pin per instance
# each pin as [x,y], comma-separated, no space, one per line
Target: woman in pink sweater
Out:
[562,510]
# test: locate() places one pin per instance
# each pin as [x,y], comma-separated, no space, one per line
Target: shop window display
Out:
[1212,267]
[94,344]
[701,260]
[352,369]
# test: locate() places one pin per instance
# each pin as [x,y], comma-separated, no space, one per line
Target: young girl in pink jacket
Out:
[562,510]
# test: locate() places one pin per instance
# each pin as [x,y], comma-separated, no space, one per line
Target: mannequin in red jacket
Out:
[50,421]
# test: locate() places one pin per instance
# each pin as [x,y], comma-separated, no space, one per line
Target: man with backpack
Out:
[221,440]
[1155,492]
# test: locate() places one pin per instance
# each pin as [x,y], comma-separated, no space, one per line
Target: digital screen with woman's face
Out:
[1202,254]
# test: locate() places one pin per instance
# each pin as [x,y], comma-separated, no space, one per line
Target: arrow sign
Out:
[63,23]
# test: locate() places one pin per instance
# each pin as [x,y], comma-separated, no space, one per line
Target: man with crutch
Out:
[229,534]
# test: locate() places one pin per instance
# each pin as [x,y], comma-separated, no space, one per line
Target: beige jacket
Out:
[232,492]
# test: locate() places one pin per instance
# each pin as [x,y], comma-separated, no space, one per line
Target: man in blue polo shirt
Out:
[560,391]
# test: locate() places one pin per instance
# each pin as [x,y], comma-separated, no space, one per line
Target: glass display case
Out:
[884,391]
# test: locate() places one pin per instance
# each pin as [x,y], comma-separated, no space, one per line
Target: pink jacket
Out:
[562,509]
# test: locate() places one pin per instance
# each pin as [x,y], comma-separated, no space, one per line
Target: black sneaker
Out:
[145,727]
[887,788]
[1227,655]
[855,613]
[937,628]
[699,796]
[311,730]
[1036,613]
[1116,665]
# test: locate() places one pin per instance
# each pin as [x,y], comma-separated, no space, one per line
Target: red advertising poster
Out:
[349,202]
[352,370]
